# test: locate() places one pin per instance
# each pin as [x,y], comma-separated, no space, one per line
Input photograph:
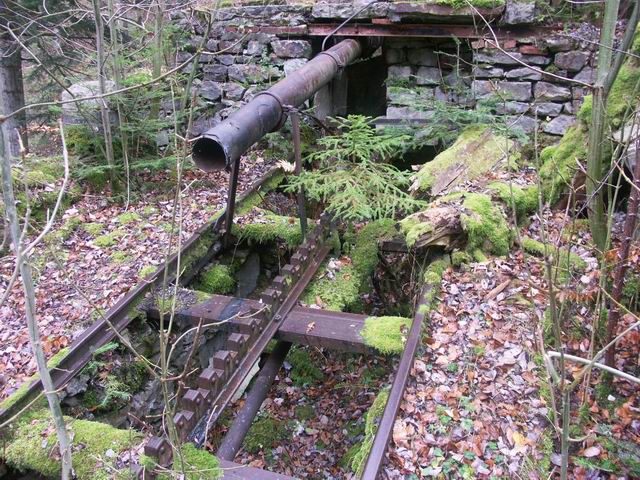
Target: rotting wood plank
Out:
[235,471]
[322,328]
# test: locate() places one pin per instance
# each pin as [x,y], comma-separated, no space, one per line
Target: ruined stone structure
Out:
[419,51]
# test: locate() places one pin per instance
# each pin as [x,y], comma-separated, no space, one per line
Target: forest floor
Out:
[477,403]
[103,249]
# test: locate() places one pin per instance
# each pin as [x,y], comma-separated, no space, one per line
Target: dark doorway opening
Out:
[367,91]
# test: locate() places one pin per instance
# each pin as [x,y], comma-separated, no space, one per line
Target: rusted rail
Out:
[121,314]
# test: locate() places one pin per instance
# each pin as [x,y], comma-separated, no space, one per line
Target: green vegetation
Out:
[64,231]
[564,262]
[386,334]
[342,293]
[371,426]
[127,218]
[304,372]
[364,253]
[120,257]
[271,228]
[255,198]
[147,271]
[353,178]
[264,434]
[412,227]
[339,294]
[216,279]
[93,228]
[459,258]
[20,394]
[560,162]
[525,199]
[476,151]
[305,412]
[485,225]
[108,239]
[97,446]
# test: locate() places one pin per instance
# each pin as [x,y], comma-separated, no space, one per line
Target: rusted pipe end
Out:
[209,155]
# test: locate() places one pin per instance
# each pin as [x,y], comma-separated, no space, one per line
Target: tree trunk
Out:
[622,259]
[595,161]
[11,93]
[104,109]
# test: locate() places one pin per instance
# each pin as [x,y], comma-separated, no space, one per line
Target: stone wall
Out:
[419,70]
[237,64]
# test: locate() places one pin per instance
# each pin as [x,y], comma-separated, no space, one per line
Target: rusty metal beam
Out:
[385,428]
[222,145]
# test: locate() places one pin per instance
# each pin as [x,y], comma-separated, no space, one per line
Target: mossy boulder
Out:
[96,446]
[476,151]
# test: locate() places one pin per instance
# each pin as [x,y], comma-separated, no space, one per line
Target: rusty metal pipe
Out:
[223,144]
[232,441]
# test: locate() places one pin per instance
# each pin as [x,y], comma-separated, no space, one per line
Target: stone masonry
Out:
[237,65]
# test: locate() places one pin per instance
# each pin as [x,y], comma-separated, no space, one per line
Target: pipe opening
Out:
[209,155]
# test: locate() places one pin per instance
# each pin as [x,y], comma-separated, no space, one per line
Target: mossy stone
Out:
[264,434]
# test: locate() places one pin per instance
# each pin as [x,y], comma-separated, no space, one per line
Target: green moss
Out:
[120,257]
[254,199]
[93,228]
[147,271]
[304,371]
[475,151]
[270,229]
[623,94]
[485,225]
[371,426]
[96,446]
[560,162]
[525,199]
[216,279]
[305,412]
[386,334]
[564,262]
[127,218]
[149,210]
[347,459]
[364,254]
[459,258]
[199,464]
[336,294]
[264,434]
[108,239]
[412,228]
[20,394]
